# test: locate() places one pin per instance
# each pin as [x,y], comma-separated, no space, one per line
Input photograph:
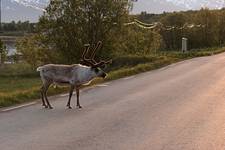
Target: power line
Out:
[161,26]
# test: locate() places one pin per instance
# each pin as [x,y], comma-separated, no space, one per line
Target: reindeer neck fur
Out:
[85,74]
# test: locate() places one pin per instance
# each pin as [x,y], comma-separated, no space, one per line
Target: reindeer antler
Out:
[99,44]
[84,60]
[87,47]
[92,62]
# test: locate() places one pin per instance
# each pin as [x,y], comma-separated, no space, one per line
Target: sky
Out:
[26,9]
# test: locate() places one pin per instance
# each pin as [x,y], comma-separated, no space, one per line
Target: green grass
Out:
[12,84]
[15,90]
[20,83]
[18,70]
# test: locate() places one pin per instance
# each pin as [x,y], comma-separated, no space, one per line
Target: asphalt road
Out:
[179,107]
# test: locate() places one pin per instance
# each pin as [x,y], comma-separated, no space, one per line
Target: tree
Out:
[34,52]
[209,35]
[174,19]
[3,52]
[173,37]
[221,29]
[69,24]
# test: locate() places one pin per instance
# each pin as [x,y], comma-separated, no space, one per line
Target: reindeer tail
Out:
[39,69]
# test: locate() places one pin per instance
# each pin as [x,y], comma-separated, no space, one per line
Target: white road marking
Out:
[131,77]
[64,95]
[101,85]
[17,107]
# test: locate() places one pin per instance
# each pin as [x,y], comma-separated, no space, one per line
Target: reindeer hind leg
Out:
[78,96]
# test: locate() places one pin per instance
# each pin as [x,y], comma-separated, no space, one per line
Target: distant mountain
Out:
[32,9]
[156,6]
[159,6]
[197,4]
[22,10]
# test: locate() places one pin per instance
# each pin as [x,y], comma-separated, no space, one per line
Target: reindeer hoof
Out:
[45,106]
[69,107]
[50,107]
[79,107]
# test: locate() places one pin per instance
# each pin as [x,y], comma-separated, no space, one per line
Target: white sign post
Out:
[184,44]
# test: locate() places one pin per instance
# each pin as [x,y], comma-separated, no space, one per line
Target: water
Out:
[10,47]
[10,43]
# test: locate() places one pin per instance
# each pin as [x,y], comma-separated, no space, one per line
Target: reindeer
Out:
[74,75]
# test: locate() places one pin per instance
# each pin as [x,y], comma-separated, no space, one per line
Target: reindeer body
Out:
[74,75]
[66,74]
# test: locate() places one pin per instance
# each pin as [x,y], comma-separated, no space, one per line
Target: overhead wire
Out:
[161,26]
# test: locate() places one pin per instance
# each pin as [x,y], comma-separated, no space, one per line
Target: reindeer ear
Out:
[103,66]
[106,63]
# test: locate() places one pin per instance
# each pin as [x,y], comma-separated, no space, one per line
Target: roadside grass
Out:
[19,90]
[17,70]
[21,83]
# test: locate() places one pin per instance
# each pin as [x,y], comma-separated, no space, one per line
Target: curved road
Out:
[179,107]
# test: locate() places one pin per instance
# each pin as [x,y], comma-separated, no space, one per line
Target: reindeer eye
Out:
[96,70]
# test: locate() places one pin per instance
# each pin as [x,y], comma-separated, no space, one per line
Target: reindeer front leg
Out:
[78,94]
[42,97]
[70,96]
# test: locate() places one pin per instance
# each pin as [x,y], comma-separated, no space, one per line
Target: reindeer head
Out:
[91,62]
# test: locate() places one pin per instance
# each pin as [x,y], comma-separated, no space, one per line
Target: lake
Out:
[10,43]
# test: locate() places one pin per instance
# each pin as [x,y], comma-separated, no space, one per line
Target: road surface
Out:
[179,107]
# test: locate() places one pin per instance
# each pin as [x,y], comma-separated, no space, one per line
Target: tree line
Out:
[19,26]
[210,34]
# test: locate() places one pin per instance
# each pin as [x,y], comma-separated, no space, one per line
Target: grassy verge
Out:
[20,83]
